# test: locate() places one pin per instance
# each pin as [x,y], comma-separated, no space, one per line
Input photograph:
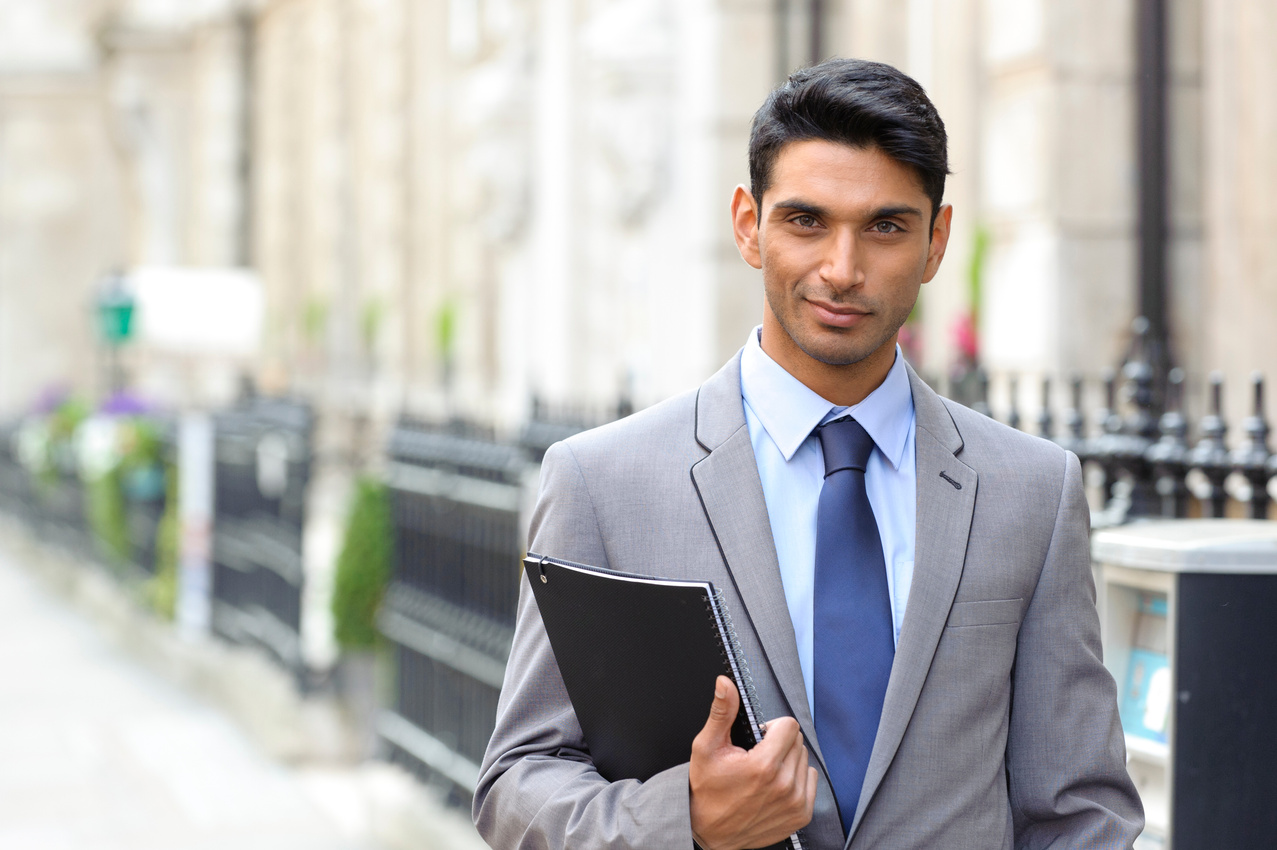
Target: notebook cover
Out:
[639,658]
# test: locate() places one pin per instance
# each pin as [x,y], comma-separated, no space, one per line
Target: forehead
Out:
[819,169]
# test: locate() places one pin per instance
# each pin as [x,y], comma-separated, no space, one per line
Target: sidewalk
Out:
[99,752]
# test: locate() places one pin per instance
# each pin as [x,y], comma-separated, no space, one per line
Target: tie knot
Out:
[846,444]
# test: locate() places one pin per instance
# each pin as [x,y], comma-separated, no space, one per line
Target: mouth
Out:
[837,315]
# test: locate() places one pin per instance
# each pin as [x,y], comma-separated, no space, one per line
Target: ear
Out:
[939,241]
[745,226]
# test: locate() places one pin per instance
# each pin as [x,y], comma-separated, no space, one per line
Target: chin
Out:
[833,354]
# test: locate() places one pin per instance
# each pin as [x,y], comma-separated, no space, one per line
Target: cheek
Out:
[901,270]
[777,275]
[786,263]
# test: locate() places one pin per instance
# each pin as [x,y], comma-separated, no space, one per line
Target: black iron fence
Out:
[263,453]
[17,496]
[263,450]
[456,496]
[1143,462]
[460,498]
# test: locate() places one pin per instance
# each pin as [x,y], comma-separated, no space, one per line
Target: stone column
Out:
[1240,118]
[62,210]
[1057,175]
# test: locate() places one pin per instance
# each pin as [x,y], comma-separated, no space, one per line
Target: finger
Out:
[779,738]
[795,759]
[717,731]
[804,774]
[811,790]
[797,762]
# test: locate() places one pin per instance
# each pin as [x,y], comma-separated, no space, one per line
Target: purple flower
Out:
[125,404]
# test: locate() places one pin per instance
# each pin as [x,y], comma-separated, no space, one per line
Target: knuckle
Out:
[798,797]
[762,773]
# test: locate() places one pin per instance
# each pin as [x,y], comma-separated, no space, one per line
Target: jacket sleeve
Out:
[1066,754]
[537,787]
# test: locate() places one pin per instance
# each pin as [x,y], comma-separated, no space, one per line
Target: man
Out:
[910,580]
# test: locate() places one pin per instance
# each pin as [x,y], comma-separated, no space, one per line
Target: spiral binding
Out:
[739,664]
[734,654]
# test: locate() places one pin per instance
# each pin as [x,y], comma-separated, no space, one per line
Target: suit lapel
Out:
[945,507]
[732,494]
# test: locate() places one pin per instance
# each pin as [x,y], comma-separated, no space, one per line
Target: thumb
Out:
[722,712]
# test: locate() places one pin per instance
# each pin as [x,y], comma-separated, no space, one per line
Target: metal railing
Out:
[1144,455]
[17,495]
[456,496]
[263,459]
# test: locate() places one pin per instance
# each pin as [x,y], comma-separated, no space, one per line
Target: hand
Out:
[748,798]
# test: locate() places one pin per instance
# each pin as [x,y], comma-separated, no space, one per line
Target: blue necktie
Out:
[853,639]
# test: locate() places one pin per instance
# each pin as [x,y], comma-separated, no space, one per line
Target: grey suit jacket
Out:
[1000,724]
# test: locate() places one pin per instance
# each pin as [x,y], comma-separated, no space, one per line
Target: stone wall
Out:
[61,203]
[1239,205]
[549,179]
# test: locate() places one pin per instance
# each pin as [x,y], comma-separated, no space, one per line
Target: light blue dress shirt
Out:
[781,413]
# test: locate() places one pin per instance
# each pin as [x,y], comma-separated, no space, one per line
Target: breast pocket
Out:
[991,612]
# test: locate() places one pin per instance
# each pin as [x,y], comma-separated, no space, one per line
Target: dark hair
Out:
[857,103]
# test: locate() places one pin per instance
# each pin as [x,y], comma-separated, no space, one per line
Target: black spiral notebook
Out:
[639,656]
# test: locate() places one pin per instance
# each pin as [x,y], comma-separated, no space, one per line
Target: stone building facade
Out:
[458,205]
[59,195]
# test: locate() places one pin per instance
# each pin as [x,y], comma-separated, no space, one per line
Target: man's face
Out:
[844,240]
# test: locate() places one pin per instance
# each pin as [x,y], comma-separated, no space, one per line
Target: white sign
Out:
[198,311]
[195,513]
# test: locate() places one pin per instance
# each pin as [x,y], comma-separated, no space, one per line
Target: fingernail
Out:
[719,691]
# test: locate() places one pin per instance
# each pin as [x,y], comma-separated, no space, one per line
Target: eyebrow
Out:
[893,212]
[796,205]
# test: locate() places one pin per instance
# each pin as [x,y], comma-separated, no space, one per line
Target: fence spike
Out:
[1102,447]
[1107,418]
[1045,422]
[1074,421]
[982,389]
[1167,455]
[1074,424]
[1251,458]
[1210,454]
[1013,415]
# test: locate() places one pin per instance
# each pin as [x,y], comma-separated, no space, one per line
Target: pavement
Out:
[104,746]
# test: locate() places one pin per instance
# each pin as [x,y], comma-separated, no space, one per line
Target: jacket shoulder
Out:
[989,444]
[666,428]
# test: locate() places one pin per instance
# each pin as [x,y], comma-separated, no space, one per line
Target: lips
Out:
[837,315]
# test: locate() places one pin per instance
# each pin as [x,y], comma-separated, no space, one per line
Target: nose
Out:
[840,267]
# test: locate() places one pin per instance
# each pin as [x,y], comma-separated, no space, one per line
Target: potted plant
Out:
[362,573]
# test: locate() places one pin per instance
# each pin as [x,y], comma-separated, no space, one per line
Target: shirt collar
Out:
[789,410]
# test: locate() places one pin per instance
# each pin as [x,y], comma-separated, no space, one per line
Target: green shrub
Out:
[108,515]
[161,589]
[363,567]
[140,445]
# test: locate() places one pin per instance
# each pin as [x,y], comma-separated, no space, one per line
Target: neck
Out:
[841,384]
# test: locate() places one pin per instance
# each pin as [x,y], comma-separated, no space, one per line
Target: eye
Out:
[805,220]
[885,226]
